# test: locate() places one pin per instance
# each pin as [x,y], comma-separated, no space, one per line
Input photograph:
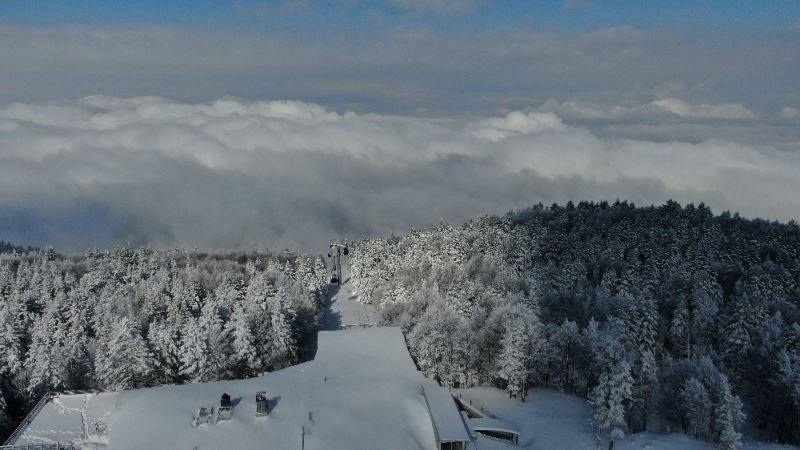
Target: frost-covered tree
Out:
[696,404]
[194,352]
[514,360]
[165,341]
[284,350]
[245,353]
[609,398]
[728,417]
[123,360]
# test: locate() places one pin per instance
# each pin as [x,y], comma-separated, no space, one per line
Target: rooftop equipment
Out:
[203,415]
[224,412]
[262,406]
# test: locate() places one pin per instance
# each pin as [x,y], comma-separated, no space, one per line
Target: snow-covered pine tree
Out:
[728,416]
[609,398]
[123,361]
[164,339]
[46,362]
[284,351]
[514,360]
[246,357]
[696,404]
[218,339]
[194,352]
[11,355]
[644,387]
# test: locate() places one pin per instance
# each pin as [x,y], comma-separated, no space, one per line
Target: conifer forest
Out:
[663,318]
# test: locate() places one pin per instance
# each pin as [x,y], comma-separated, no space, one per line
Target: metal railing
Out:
[49,446]
[26,421]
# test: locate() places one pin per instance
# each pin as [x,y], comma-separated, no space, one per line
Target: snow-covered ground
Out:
[551,420]
[361,392]
[345,310]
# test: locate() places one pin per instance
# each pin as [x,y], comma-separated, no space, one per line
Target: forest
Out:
[664,318]
[131,318]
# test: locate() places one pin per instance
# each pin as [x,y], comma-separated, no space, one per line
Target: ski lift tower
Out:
[336,250]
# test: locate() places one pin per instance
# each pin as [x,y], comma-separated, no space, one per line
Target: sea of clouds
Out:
[103,171]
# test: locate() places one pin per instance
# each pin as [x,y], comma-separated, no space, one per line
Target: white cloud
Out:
[686,110]
[106,170]
[516,123]
[789,113]
[582,110]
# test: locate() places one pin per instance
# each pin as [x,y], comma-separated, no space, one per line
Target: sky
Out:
[286,123]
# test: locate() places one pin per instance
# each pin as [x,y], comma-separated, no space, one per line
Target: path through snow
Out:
[344,309]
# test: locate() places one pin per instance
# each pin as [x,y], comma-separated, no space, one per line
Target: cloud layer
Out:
[106,170]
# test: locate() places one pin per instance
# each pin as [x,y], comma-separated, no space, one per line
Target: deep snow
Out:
[361,392]
[551,420]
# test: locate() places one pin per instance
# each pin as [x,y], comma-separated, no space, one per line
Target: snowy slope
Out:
[361,392]
[551,420]
[345,309]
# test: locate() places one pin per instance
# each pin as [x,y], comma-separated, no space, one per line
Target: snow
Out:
[78,418]
[447,421]
[362,391]
[486,423]
[552,420]
[345,310]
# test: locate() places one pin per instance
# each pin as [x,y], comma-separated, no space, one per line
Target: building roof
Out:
[447,421]
[362,391]
[488,424]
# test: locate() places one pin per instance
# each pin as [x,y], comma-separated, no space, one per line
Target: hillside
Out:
[663,317]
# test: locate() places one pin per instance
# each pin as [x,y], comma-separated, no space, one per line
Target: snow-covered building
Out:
[449,428]
[362,391]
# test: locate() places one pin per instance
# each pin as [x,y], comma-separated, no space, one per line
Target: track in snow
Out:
[344,309]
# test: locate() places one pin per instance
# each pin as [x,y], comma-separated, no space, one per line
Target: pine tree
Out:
[46,363]
[514,359]
[194,352]
[246,356]
[123,360]
[10,342]
[284,351]
[5,421]
[218,339]
[164,339]
[728,417]
[609,398]
[696,403]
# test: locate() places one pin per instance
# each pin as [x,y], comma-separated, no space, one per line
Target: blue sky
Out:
[575,15]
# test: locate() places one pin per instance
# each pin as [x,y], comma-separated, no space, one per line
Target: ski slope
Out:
[345,310]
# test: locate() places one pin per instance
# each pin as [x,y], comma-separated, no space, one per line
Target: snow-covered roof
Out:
[489,424]
[447,421]
[361,392]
